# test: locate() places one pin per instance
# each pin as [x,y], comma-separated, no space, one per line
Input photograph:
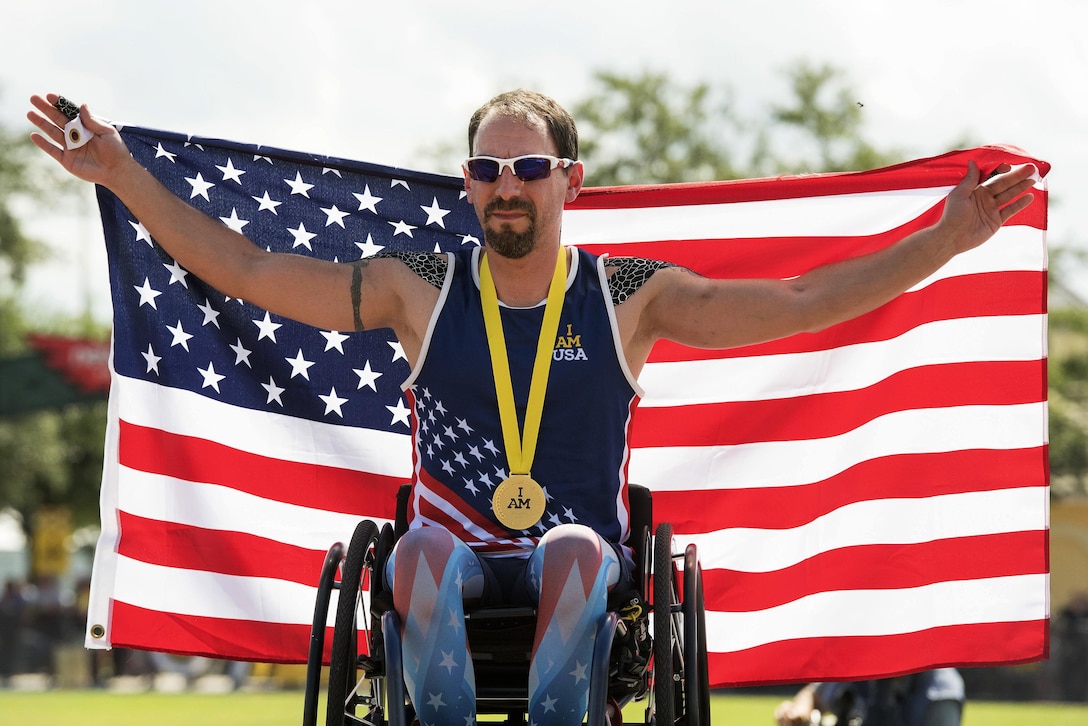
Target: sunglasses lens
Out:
[485,170]
[532,168]
[527,169]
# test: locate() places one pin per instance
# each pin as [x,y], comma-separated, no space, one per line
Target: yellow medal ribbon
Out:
[519,501]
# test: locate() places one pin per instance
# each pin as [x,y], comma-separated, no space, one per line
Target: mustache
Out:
[510,205]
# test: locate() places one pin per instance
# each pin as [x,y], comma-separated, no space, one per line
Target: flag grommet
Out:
[75,135]
[98,631]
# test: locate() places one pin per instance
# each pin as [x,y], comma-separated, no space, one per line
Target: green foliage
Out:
[54,456]
[649,129]
[51,457]
[17,251]
[1067,373]
[830,120]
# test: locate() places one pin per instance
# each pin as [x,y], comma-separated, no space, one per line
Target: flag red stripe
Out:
[170,544]
[136,627]
[878,567]
[902,476]
[310,485]
[944,170]
[823,415]
[777,257]
[968,296]
[863,657]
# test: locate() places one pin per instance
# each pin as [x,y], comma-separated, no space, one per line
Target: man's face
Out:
[514,214]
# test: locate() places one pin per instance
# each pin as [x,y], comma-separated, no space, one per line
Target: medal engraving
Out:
[518,502]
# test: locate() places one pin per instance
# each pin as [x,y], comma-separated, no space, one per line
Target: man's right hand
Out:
[97,161]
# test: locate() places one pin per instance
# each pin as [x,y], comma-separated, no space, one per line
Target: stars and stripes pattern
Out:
[867,500]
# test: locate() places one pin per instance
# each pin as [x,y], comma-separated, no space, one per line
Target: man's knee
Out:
[572,541]
[425,540]
[441,554]
[563,546]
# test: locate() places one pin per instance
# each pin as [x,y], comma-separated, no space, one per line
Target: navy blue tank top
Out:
[582,454]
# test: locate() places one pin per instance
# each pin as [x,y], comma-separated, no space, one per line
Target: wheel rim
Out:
[663,628]
[342,665]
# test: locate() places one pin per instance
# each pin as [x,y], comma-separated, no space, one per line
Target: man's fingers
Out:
[1014,191]
[48,110]
[44,144]
[47,127]
[1009,210]
[1015,176]
[91,123]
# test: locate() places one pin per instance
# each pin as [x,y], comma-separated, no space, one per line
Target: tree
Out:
[829,118]
[1067,393]
[52,457]
[648,129]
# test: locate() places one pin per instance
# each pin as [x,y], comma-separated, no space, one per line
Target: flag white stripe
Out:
[866,213]
[167,499]
[847,368]
[882,612]
[276,436]
[873,522]
[214,595]
[1012,249]
[104,568]
[793,463]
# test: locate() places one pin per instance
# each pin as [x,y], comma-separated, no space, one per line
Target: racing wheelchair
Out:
[365,684]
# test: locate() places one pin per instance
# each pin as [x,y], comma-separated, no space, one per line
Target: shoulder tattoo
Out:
[429,266]
[630,273]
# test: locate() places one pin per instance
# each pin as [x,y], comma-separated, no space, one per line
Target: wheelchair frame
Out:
[369,688]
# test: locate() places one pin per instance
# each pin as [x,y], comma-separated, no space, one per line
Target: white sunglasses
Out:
[529,167]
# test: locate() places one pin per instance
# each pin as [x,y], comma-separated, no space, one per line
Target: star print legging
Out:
[568,577]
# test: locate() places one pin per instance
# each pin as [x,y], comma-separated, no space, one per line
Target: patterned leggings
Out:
[567,577]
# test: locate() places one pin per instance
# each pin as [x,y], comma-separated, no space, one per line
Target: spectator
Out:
[12,620]
[1072,646]
[930,698]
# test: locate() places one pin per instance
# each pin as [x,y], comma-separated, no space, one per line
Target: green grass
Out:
[100,708]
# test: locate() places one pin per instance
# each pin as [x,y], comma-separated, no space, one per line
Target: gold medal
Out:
[518,502]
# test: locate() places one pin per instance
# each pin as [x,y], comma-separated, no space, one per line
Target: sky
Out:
[382,83]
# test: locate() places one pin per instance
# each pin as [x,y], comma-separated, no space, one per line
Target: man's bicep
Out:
[707,313]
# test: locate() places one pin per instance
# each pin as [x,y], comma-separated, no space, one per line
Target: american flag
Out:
[867,500]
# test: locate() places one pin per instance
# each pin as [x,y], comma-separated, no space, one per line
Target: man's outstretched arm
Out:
[711,313]
[324,294]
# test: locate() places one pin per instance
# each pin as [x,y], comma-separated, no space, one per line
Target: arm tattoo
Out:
[356,291]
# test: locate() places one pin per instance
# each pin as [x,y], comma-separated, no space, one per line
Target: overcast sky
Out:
[381,82]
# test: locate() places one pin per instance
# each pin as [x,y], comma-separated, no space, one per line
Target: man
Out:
[929,698]
[482,330]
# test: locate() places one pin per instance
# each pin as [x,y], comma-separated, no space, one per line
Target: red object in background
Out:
[83,363]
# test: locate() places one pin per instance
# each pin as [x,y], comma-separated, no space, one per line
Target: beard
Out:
[505,241]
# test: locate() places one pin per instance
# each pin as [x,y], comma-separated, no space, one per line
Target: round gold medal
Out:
[518,502]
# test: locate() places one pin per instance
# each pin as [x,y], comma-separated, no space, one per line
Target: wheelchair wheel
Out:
[681,687]
[344,673]
[696,683]
[664,635]
[314,660]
